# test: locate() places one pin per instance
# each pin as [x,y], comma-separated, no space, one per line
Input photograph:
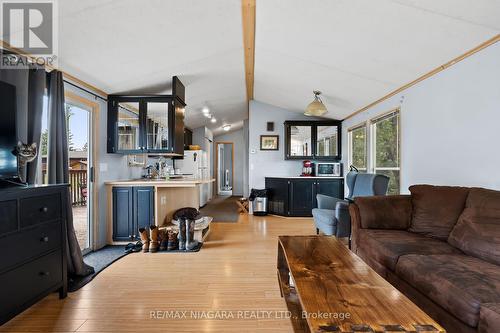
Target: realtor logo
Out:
[30,27]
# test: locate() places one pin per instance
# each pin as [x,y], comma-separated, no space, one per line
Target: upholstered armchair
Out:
[332,215]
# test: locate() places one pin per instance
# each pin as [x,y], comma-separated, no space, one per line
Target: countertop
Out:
[303,177]
[184,182]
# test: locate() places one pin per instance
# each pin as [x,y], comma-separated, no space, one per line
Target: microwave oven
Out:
[326,169]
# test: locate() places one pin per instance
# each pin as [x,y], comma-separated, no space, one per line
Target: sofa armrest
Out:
[327,202]
[380,212]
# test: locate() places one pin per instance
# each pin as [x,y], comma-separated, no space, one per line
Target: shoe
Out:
[163,239]
[182,234]
[154,245]
[191,243]
[172,243]
[144,239]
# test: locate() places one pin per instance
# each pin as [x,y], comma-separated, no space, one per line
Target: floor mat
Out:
[222,209]
[99,259]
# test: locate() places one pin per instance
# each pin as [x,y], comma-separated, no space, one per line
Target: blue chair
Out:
[332,215]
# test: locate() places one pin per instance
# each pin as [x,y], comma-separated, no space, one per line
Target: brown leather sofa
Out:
[440,246]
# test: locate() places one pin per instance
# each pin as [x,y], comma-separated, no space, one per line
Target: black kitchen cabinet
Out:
[297,196]
[317,140]
[301,197]
[133,208]
[152,124]
[188,138]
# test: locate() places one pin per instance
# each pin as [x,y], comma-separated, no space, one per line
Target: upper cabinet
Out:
[152,124]
[319,140]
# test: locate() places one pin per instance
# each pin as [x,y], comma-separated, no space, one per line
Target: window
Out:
[358,147]
[385,140]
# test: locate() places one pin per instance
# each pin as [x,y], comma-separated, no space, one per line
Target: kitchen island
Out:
[137,203]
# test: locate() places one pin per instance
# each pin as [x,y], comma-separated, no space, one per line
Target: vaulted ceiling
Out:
[354,51]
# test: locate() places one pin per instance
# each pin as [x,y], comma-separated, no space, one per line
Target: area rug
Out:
[99,259]
[222,209]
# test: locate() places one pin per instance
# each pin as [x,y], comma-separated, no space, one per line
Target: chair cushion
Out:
[457,282]
[489,318]
[324,220]
[387,246]
[477,232]
[436,209]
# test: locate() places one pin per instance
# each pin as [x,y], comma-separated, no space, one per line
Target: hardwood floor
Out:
[234,272]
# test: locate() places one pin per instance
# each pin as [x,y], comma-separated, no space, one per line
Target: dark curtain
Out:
[58,171]
[30,88]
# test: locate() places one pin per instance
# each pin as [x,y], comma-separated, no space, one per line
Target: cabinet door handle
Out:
[44,273]
[44,239]
[44,209]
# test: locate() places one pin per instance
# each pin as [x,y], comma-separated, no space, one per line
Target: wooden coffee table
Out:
[328,288]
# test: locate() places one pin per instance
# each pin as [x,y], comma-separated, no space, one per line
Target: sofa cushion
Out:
[489,318]
[477,232]
[386,246]
[384,212]
[324,220]
[457,282]
[436,209]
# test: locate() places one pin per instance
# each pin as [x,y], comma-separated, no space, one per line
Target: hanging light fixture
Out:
[316,107]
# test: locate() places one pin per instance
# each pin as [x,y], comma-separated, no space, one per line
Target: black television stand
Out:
[11,182]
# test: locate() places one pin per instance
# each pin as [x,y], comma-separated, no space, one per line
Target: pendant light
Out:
[316,107]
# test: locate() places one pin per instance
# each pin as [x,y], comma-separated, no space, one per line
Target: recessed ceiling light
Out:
[205,110]
[208,115]
[213,120]
[226,127]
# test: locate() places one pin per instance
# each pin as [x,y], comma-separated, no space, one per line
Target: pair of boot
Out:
[149,245]
[168,240]
[186,235]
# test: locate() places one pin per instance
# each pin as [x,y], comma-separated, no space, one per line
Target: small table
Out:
[328,288]
[242,205]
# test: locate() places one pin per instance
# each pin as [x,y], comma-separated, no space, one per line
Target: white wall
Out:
[116,164]
[269,163]
[238,139]
[450,125]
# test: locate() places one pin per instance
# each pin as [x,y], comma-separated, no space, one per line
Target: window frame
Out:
[373,144]
[350,146]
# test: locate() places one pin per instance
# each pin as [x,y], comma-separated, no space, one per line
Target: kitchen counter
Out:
[308,177]
[158,201]
[182,182]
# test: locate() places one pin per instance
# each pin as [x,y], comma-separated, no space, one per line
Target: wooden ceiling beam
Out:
[248,16]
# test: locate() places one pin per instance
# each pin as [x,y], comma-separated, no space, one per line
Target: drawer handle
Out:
[44,239]
[44,273]
[44,209]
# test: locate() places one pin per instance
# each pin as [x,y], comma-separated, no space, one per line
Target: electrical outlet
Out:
[163,200]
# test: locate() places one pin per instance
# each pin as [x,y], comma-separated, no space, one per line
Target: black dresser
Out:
[32,246]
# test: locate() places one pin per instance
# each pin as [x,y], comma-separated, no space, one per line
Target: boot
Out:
[182,234]
[153,246]
[172,240]
[191,243]
[163,239]
[144,239]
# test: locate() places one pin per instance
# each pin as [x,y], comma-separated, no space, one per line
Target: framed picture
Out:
[269,142]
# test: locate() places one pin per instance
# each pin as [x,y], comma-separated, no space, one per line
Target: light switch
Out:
[163,200]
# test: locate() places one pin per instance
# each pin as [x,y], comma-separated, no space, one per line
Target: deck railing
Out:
[78,186]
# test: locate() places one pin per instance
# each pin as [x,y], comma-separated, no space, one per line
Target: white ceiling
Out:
[355,51]
[136,46]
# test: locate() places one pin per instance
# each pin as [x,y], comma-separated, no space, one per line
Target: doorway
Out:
[224,165]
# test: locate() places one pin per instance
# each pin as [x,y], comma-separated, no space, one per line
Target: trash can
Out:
[259,201]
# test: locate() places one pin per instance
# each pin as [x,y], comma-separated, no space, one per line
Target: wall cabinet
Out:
[297,196]
[133,208]
[318,140]
[152,124]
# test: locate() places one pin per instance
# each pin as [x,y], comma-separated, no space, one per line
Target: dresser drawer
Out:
[23,284]
[8,216]
[40,209]
[30,243]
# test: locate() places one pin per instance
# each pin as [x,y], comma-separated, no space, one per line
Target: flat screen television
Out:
[8,137]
